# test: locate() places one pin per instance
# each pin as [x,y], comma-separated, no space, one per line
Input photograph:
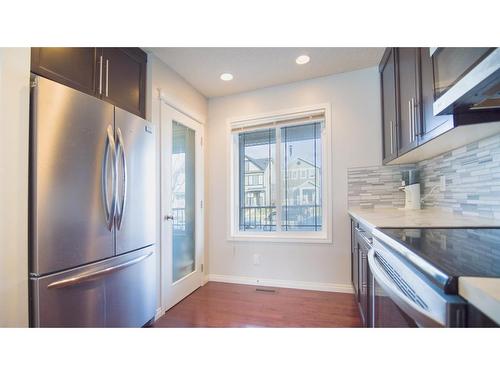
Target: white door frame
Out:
[167,114]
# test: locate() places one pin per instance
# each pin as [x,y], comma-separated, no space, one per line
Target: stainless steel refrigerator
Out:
[92,211]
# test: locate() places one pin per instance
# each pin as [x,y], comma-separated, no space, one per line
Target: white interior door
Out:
[182,205]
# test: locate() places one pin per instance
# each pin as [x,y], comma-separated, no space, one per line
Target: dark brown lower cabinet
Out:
[354,261]
[476,319]
[363,248]
[361,244]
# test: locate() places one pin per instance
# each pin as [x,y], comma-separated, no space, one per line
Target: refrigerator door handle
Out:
[122,156]
[83,277]
[109,147]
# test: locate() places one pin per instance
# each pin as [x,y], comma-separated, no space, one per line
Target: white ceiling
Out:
[255,68]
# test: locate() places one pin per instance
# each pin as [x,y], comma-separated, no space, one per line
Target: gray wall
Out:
[472,177]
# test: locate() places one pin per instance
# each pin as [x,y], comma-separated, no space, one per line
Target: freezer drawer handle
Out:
[83,277]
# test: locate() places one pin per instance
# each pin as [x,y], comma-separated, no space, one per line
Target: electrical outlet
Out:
[256,259]
[443,183]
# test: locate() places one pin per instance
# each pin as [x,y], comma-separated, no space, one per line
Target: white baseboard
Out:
[204,280]
[325,287]
[159,313]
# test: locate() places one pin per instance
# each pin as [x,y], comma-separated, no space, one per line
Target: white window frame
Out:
[263,121]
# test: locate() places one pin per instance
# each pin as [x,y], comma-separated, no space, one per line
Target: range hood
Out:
[477,90]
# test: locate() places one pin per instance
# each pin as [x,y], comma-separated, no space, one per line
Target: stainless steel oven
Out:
[384,312]
[466,79]
[401,296]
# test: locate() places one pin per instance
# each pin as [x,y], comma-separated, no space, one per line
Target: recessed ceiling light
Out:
[302,59]
[226,76]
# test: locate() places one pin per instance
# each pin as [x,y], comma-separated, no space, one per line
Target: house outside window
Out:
[279,174]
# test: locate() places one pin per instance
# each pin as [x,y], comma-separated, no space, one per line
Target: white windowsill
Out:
[297,237]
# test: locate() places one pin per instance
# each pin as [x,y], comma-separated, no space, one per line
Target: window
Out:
[301,148]
[257,150]
[278,179]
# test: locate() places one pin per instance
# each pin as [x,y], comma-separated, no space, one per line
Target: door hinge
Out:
[202,268]
[201,141]
[201,204]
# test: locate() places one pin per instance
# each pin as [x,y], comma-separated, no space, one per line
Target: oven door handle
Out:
[421,316]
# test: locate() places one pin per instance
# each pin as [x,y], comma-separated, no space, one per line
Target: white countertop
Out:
[482,292]
[425,218]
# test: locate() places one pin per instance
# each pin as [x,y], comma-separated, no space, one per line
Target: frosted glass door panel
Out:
[183,200]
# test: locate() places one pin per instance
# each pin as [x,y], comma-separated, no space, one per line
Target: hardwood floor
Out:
[233,305]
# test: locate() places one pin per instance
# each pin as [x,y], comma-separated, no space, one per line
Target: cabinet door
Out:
[432,126]
[73,67]
[354,260]
[124,78]
[363,284]
[408,98]
[389,111]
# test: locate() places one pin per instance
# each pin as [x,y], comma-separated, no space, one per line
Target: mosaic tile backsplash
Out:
[472,176]
[376,187]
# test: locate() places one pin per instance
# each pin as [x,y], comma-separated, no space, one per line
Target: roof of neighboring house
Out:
[300,183]
[259,163]
[264,162]
[298,161]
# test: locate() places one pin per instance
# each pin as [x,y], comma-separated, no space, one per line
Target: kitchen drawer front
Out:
[117,292]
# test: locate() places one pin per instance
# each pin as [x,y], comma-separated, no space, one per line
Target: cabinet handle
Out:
[416,130]
[413,119]
[392,138]
[100,75]
[107,77]
[410,119]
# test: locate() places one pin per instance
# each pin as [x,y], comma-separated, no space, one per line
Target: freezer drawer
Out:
[117,292]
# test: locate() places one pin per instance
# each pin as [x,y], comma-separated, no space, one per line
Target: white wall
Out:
[178,92]
[356,122]
[181,95]
[14,125]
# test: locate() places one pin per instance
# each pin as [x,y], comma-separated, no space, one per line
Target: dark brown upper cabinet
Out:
[432,126]
[116,75]
[389,105]
[408,120]
[73,67]
[123,80]
[408,63]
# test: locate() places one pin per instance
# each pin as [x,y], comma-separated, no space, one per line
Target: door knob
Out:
[168,217]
